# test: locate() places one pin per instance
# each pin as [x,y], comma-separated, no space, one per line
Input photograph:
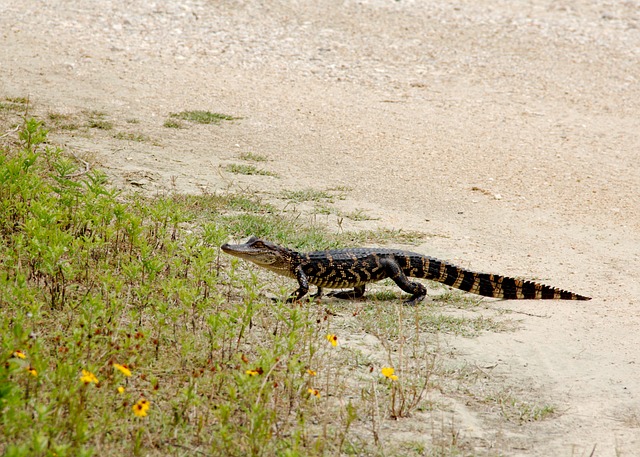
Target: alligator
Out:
[356,267]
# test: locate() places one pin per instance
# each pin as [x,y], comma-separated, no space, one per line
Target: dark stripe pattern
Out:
[345,268]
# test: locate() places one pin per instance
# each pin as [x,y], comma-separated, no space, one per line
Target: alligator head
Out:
[265,254]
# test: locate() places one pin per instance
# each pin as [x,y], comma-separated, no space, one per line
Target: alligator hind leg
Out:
[357,292]
[318,294]
[417,290]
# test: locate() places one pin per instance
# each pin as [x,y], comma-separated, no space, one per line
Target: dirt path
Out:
[511,130]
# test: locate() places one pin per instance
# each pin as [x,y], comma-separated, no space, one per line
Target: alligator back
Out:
[341,268]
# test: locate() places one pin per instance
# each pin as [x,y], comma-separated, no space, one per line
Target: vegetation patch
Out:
[202,117]
[307,195]
[14,104]
[98,120]
[138,137]
[62,121]
[358,215]
[244,169]
[252,157]
[173,124]
[125,331]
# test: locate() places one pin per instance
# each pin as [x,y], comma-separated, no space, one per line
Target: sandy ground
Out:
[510,130]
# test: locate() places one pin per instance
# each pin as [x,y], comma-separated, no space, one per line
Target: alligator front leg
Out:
[417,290]
[303,283]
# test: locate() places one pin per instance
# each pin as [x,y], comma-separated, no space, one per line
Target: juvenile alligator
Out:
[345,268]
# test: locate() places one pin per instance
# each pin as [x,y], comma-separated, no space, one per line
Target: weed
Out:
[520,411]
[381,236]
[252,157]
[130,136]
[242,169]
[358,215]
[32,134]
[307,195]
[202,117]
[62,121]
[18,100]
[96,120]
[322,209]
[173,124]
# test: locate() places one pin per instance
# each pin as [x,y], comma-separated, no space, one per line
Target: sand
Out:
[508,131]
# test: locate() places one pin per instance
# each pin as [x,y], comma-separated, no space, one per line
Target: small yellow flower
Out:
[333,339]
[388,372]
[141,407]
[120,390]
[88,377]
[311,372]
[252,372]
[18,353]
[314,392]
[123,369]
[32,371]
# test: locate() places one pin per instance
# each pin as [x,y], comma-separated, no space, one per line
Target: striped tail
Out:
[496,286]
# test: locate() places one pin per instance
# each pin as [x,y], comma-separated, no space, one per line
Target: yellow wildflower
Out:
[252,372]
[388,372]
[314,392]
[141,407]
[32,371]
[120,390]
[123,368]
[333,339]
[18,353]
[311,372]
[88,377]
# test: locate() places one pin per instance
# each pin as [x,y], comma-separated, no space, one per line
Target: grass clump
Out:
[252,157]
[62,121]
[243,169]
[358,215]
[14,104]
[202,117]
[97,120]
[138,137]
[307,195]
[173,124]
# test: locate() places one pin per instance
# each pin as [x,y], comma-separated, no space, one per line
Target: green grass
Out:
[252,157]
[202,117]
[138,137]
[358,215]
[518,410]
[14,104]
[173,124]
[89,280]
[95,280]
[18,100]
[96,120]
[244,169]
[307,195]
[62,121]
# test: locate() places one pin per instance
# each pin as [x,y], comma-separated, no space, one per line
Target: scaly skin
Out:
[356,267]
